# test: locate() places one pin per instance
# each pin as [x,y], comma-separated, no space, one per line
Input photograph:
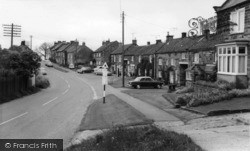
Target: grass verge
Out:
[147,138]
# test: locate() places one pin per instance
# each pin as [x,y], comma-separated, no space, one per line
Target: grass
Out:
[147,138]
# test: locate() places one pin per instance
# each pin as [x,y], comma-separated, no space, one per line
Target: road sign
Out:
[105,66]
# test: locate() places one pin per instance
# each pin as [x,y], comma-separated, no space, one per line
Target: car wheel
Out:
[138,86]
[159,86]
[134,87]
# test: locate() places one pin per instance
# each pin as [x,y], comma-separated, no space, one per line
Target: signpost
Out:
[104,79]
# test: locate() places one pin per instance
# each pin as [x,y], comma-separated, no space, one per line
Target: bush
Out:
[145,138]
[240,93]
[42,82]
[220,84]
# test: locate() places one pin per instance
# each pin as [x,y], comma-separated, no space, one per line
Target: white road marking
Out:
[50,101]
[92,88]
[14,118]
[65,91]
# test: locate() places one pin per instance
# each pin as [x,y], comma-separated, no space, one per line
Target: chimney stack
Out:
[158,41]
[134,42]
[148,43]
[22,43]
[83,43]
[103,43]
[170,37]
[184,35]
[206,33]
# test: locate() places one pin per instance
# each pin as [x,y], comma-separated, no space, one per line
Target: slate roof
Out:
[169,46]
[207,44]
[63,47]
[228,4]
[135,50]
[84,52]
[119,49]
[151,49]
[72,47]
[105,46]
[56,46]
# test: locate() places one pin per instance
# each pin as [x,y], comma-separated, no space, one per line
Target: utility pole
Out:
[31,41]
[11,31]
[123,68]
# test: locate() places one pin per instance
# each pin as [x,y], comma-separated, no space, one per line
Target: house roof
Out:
[56,46]
[169,46]
[72,47]
[135,50]
[228,4]
[119,49]
[105,46]
[63,47]
[207,44]
[151,49]
[84,52]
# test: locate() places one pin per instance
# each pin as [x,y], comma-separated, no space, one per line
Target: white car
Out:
[48,63]
[97,68]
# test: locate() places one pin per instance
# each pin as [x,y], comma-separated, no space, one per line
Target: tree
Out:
[44,49]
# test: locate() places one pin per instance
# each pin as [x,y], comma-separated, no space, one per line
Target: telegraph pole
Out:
[123,70]
[31,41]
[11,31]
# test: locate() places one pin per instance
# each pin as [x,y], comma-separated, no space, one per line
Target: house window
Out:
[183,55]
[120,58]
[139,59]
[172,62]
[114,58]
[160,74]
[196,57]
[150,58]
[160,62]
[132,58]
[238,19]
[232,60]
[167,63]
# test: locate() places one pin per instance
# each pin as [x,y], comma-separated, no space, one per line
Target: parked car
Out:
[140,82]
[71,66]
[42,71]
[48,63]
[97,68]
[85,70]
[99,72]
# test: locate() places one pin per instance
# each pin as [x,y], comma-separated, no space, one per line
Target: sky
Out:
[93,21]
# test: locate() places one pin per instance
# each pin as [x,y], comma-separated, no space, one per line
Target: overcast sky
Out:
[93,21]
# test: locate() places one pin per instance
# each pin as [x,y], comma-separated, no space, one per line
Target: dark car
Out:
[140,82]
[85,70]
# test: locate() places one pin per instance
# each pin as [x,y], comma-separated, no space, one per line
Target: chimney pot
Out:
[83,43]
[148,43]
[158,41]
[184,35]
[22,43]
[206,33]
[134,42]
[170,37]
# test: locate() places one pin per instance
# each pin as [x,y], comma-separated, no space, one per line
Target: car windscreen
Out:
[137,79]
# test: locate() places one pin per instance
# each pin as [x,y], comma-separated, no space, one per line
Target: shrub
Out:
[221,84]
[145,138]
[185,90]
[239,93]
[42,82]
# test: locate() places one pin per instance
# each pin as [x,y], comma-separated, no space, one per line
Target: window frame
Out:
[238,26]
[225,60]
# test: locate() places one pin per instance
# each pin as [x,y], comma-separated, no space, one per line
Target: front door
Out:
[183,68]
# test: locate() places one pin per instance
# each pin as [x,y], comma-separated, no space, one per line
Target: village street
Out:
[57,111]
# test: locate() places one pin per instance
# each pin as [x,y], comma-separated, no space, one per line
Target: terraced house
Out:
[103,53]
[71,53]
[233,54]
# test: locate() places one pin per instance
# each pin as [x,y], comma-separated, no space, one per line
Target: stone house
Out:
[174,58]
[233,54]
[116,64]
[70,53]
[84,55]
[103,53]
[61,54]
